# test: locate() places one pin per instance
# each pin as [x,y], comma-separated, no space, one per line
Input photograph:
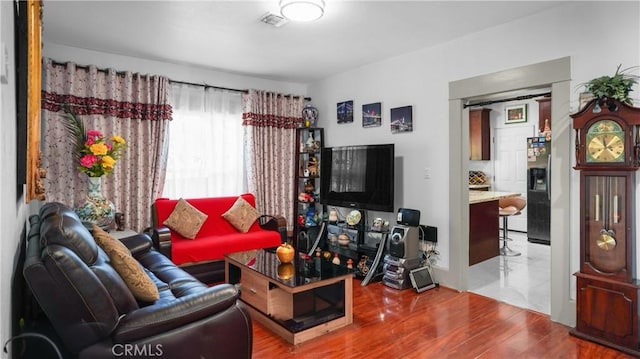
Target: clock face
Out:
[605,142]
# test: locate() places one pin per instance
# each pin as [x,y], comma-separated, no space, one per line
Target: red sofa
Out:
[203,256]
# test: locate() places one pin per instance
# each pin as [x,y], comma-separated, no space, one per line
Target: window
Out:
[205,155]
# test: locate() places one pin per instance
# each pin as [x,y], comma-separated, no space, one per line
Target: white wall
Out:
[421,79]
[13,211]
[176,72]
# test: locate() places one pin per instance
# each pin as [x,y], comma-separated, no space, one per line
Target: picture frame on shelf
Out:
[345,111]
[515,113]
[401,119]
[372,115]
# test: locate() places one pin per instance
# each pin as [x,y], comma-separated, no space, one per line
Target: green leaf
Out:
[75,128]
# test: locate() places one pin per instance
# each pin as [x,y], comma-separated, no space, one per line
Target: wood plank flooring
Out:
[439,323]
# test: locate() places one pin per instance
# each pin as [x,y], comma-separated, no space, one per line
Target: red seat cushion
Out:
[216,246]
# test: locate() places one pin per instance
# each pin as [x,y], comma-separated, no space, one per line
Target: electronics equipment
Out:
[404,241]
[421,279]
[428,233]
[396,271]
[408,217]
[359,177]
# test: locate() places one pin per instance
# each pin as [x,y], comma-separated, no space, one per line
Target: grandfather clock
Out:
[608,157]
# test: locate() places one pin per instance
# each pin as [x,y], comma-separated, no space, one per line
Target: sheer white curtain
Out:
[205,143]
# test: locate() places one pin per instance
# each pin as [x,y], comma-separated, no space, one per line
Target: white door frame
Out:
[557,75]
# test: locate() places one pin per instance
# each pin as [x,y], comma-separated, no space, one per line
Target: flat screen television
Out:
[358,177]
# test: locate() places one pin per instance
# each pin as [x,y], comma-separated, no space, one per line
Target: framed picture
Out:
[515,114]
[402,119]
[33,171]
[372,115]
[345,111]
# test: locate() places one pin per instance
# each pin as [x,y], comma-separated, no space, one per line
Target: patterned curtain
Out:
[133,106]
[270,120]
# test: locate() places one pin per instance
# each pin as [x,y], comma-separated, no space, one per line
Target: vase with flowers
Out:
[96,156]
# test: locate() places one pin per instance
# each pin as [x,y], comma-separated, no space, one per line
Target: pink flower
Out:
[94,133]
[90,141]
[88,160]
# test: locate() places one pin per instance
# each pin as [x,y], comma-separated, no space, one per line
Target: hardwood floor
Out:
[439,323]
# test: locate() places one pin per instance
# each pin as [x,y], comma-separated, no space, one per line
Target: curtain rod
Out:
[517,98]
[206,86]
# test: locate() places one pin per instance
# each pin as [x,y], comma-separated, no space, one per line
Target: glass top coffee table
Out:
[298,301]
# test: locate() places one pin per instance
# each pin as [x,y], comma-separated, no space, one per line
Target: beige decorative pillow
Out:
[185,219]
[131,271]
[241,215]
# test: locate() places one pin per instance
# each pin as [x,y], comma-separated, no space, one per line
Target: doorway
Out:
[557,75]
[521,280]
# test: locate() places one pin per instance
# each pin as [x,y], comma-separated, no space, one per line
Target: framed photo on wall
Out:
[345,111]
[372,115]
[402,119]
[515,114]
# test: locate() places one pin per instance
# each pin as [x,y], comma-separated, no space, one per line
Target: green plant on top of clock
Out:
[616,87]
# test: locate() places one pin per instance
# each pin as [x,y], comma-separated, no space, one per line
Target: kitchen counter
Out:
[487,196]
[484,238]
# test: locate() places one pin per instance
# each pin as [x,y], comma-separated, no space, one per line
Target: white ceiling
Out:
[228,36]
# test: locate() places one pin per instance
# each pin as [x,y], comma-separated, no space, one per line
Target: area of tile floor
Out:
[523,281]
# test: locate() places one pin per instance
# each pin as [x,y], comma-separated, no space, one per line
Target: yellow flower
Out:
[98,149]
[108,162]
[118,139]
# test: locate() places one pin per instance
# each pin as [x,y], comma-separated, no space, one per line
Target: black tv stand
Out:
[366,247]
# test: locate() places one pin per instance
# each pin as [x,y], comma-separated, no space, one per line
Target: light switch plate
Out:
[427,173]
[4,64]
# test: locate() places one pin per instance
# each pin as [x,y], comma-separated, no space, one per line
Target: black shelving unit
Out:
[308,225]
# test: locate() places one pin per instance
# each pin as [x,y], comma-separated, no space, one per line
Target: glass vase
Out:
[94,208]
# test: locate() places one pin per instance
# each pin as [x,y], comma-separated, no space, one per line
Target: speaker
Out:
[404,241]
[408,217]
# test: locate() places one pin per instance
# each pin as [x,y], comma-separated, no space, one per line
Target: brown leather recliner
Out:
[95,314]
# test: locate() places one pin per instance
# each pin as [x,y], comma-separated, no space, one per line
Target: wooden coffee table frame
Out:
[273,303]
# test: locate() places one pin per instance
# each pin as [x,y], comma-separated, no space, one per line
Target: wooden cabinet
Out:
[484,242]
[544,112]
[607,312]
[479,135]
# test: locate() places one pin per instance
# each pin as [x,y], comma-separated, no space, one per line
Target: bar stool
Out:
[510,206]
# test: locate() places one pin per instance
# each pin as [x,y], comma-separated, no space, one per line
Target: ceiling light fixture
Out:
[302,10]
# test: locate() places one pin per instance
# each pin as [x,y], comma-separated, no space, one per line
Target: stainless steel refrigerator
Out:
[538,189]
